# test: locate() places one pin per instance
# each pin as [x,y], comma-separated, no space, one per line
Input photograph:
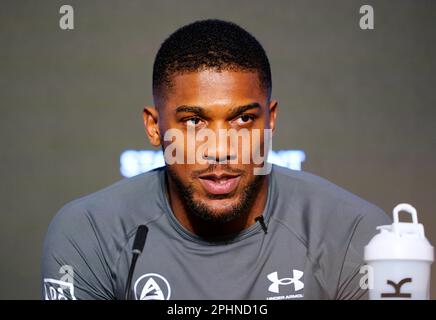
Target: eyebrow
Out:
[238,110]
[233,112]
[191,109]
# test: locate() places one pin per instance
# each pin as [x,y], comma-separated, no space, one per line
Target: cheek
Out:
[182,173]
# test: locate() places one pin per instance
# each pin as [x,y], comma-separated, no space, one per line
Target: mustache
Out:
[215,167]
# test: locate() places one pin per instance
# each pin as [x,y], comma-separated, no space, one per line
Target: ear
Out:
[273,106]
[151,118]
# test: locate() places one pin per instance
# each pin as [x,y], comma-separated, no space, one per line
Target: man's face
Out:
[216,101]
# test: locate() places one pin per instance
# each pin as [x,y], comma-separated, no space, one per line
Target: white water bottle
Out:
[399,260]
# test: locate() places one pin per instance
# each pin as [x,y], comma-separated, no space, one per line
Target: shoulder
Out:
[305,188]
[113,212]
[128,195]
[318,208]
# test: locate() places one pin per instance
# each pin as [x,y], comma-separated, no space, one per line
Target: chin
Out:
[222,210]
[218,207]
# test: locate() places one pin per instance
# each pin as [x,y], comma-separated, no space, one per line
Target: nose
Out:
[222,150]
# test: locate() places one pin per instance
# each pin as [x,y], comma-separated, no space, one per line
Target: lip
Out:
[219,183]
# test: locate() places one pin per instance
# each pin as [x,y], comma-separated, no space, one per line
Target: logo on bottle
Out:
[397,288]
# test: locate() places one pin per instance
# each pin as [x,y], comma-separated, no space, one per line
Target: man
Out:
[219,227]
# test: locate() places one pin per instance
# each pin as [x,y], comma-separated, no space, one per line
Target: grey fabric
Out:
[313,248]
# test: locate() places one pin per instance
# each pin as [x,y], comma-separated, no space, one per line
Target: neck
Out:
[206,229]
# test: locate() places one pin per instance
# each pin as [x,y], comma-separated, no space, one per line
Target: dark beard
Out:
[201,211]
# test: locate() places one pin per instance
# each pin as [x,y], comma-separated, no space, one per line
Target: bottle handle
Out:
[407,208]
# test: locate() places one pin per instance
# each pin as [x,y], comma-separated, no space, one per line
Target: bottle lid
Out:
[401,240]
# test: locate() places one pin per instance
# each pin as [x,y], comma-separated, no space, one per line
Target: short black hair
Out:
[210,44]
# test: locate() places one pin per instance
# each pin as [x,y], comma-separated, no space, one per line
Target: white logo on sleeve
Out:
[152,286]
[276,282]
[58,290]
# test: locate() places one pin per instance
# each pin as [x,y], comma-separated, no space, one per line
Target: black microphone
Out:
[261,221]
[138,245]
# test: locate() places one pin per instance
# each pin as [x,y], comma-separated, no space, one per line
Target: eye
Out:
[192,121]
[244,119]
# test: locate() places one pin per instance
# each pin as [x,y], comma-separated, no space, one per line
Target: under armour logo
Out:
[397,287]
[276,282]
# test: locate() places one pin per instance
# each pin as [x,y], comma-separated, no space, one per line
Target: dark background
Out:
[361,104]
